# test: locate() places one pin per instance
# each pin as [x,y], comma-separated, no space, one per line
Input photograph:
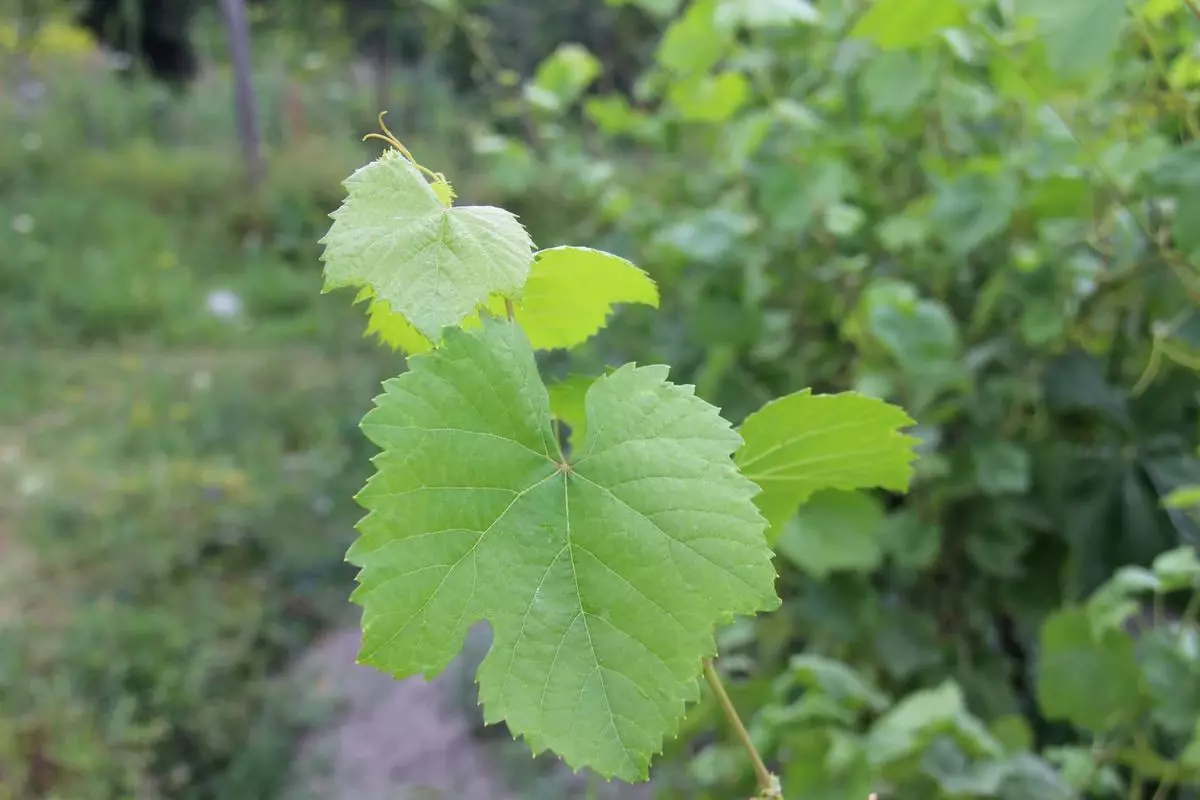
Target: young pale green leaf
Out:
[695,42]
[900,24]
[803,443]
[602,578]
[709,99]
[571,291]
[433,264]
[566,300]
[391,328]
[562,77]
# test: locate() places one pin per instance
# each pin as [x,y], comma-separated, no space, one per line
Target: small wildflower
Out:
[32,484]
[23,223]
[223,303]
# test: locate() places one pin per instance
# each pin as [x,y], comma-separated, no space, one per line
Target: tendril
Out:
[390,138]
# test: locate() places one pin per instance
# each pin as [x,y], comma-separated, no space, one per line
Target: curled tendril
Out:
[390,138]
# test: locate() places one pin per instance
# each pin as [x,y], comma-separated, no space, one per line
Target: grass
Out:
[178,421]
[178,441]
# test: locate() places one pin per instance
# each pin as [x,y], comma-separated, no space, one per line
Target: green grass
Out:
[175,484]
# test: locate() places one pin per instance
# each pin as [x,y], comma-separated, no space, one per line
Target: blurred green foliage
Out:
[983,211]
[177,450]
[980,211]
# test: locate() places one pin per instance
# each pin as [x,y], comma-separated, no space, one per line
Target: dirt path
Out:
[411,740]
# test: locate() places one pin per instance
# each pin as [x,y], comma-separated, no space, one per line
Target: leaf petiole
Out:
[768,784]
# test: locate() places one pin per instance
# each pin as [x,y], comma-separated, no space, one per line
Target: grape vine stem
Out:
[768,784]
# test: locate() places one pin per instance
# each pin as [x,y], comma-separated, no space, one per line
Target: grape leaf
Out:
[899,24]
[802,443]
[566,300]
[389,327]
[571,291]
[432,263]
[602,578]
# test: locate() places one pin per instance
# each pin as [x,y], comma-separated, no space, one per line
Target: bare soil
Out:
[413,740]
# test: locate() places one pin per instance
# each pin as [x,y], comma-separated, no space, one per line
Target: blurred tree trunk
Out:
[383,54]
[383,71]
[234,14]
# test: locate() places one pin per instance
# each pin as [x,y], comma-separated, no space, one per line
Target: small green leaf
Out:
[432,264]
[917,720]
[973,208]
[1190,757]
[1178,569]
[765,13]
[825,764]
[1001,468]
[834,679]
[912,542]
[919,333]
[695,43]
[602,577]
[1186,221]
[834,531]
[1183,497]
[895,81]
[709,98]
[561,78]
[899,24]
[1172,680]
[1080,36]
[1086,677]
[802,443]
[571,291]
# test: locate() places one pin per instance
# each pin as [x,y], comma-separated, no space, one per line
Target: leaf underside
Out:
[433,264]
[602,579]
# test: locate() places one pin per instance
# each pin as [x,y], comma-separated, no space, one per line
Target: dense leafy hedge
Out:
[984,213]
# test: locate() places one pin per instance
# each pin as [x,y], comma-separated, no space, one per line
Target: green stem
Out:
[768,784]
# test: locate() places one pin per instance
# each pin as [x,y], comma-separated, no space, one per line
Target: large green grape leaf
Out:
[566,300]
[432,263]
[803,443]
[602,578]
